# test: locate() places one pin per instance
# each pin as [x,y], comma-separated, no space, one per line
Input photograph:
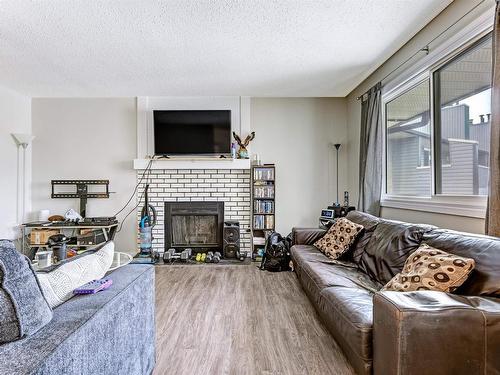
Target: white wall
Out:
[88,139]
[297,134]
[450,15]
[15,117]
[96,138]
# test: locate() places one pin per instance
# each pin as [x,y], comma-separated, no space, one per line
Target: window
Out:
[462,96]
[408,142]
[439,146]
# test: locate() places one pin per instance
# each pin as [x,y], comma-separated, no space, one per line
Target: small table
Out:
[108,232]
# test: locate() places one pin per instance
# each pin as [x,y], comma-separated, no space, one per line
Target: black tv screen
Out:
[192,132]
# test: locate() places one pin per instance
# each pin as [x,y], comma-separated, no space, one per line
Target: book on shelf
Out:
[263,173]
[263,221]
[263,207]
[264,191]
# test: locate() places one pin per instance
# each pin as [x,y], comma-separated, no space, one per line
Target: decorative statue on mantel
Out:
[243,152]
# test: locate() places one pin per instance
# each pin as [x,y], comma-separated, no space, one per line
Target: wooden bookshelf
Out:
[263,206]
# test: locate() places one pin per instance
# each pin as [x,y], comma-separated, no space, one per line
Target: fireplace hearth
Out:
[195,225]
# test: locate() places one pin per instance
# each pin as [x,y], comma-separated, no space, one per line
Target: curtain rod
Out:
[426,48]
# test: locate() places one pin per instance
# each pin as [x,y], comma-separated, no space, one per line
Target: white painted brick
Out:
[230,186]
[202,176]
[237,190]
[157,199]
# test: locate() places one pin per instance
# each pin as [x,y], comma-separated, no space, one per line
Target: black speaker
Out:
[231,238]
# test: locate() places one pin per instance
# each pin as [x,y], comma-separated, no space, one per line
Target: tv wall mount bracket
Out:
[81,192]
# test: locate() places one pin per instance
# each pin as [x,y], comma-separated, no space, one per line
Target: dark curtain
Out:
[371,152]
[493,210]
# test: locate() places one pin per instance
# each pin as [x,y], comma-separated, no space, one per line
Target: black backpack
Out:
[276,256]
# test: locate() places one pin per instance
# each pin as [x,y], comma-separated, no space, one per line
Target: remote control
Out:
[94,286]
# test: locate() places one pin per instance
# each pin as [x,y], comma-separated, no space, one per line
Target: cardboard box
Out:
[41,236]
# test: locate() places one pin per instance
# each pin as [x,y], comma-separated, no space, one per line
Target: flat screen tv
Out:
[192,132]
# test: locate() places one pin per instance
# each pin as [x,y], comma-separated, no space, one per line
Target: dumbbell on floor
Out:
[186,255]
[169,255]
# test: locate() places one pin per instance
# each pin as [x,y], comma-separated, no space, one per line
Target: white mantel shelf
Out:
[200,163]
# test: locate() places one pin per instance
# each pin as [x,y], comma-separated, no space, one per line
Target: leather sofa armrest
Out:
[433,332]
[306,236]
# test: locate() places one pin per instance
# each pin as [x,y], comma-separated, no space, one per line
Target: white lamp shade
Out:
[22,139]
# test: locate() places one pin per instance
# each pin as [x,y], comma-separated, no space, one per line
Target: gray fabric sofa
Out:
[111,332]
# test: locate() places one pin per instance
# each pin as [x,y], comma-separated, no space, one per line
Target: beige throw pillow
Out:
[431,269]
[339,238]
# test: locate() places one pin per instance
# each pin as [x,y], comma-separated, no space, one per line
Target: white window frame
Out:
[460,205]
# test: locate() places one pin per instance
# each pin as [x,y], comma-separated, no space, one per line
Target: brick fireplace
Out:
[231,186]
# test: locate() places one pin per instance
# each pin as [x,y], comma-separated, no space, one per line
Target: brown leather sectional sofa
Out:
[421,332]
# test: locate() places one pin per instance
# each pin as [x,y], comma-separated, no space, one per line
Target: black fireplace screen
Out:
[197,225]
[194,230]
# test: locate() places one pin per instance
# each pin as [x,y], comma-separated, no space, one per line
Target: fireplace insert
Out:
[197,225]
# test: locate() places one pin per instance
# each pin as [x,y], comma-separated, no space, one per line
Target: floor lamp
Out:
[22,141]
[337,146]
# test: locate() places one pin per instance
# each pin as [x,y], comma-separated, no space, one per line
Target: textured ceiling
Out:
[201,47]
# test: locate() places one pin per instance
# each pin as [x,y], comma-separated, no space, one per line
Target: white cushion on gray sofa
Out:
[58,285]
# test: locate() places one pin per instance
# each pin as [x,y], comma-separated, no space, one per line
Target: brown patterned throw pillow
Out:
[431,269]
[339,238]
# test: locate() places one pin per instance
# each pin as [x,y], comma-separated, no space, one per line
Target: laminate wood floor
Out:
[239,320]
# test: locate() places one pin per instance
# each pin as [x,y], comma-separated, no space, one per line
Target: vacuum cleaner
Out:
[146,224]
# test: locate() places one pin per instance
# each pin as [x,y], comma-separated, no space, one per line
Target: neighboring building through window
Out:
[461,129]
[462,92]
[408,138]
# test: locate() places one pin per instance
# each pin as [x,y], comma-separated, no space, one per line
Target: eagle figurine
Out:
[243,152]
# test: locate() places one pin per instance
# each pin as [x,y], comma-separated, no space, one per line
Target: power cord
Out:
[147,170]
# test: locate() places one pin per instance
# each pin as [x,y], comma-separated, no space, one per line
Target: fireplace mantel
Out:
[195,163]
